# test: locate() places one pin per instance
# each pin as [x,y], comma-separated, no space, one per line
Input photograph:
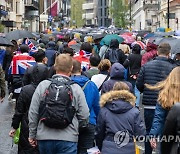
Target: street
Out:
[6,112]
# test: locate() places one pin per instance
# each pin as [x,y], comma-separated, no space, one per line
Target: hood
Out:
[39,73]
[114,44]
[118,101]
[80,79]
[51,44]
[151,46]
[117,71]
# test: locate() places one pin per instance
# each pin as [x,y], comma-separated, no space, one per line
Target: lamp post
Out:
[130,14]
[168,13]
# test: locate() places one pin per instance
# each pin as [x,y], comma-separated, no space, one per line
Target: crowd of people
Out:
[69,102]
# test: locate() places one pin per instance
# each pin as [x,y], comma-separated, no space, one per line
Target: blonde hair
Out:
[63,63]
[169,89]
[104,65]
[120,86]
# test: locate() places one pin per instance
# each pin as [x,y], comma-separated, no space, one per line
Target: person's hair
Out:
[68,51]
[24,48]
[104,65]
[94,60]
[76,66]
[86,47]
[39,55]
[51,38]
[164,49]
[63,63]
[136,49]
[120,86]
[169,89]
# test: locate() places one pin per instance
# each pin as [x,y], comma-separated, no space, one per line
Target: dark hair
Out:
[68,51]
[76,66]
[39,55]
[86,47]
[164,49]
[24,48]
[94,60]
[136,49]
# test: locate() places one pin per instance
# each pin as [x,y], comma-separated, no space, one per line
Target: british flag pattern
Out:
[31,46]
[20,63]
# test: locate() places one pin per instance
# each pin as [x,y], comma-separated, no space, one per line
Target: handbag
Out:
[17,134]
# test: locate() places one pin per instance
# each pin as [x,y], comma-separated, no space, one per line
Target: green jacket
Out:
[2,83]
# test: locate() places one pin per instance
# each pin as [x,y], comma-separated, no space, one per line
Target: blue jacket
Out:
[2,53]
[159,121]
[51,55]
[92,96]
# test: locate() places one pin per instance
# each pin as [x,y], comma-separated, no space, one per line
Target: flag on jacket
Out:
[31,46]
[20,63]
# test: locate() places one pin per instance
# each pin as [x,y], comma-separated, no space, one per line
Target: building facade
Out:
[104,18]
[174,8]
[145,14]
[89,15]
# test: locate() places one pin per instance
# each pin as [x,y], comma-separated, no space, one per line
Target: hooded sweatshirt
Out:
[116,74]
[91,94]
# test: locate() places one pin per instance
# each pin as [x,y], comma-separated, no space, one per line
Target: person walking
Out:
[168,96]
[152,73]
[133,65]
[20,117]
[2,85]
[104,69]
[55,128]
[114,54]
[118,121]
[116,74]
[86,134]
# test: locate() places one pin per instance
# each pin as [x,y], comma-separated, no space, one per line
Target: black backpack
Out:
[56,110]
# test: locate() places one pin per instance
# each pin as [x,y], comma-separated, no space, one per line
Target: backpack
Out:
[56,109]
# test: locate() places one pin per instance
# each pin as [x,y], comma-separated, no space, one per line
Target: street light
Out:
[168,13]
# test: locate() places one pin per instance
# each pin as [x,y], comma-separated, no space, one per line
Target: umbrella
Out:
[164,40]
[128,39]
[75,47]
[149,35]
[98,36]
[5,42]
[164,34]
[107,39]
[19,34]
[33,41]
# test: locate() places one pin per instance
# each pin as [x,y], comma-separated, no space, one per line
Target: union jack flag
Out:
[20,63]
[31,46]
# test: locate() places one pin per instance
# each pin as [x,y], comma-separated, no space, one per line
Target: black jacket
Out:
[133,61]
[152,73]
[21,115]
[114,54]
[171,128]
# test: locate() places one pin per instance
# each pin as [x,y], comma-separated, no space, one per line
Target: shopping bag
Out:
[16,136]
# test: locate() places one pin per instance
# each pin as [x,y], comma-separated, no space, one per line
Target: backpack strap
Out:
[85,85]
[103,82]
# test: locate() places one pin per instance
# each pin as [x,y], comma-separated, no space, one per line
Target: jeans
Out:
[86,139]
[138,96]
[148,118]
[57,147]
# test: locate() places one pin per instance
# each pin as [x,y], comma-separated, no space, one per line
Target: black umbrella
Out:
[19,34]
[5,42]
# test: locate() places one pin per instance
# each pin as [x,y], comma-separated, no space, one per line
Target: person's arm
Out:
[81,104]
[126,62]
[170,129]
[20,109]
[96,105]
[26,78]
[34,111]
[158,122]
[2,84]
[140,80]
[100,129]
